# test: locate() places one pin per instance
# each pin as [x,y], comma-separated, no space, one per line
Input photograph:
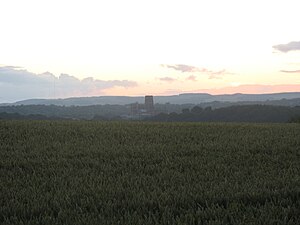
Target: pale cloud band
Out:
[167,79]
[183,68]
[292,46]
[17,83]
[192,78]
[171,79]
[290,71]
[192,69]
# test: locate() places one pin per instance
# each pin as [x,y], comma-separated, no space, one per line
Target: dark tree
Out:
[196,110]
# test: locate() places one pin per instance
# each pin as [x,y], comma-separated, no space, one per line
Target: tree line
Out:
[244,113]
[164,113]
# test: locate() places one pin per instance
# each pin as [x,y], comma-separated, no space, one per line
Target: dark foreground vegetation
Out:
[148,173]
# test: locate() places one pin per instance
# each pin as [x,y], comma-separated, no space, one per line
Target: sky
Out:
[62,48]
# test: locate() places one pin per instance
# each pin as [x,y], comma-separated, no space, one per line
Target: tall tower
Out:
[149,104]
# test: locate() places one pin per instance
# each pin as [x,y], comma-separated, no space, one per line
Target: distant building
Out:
[149,104]
[134,109]
[138,111]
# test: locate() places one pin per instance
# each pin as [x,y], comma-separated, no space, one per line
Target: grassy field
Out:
[79,173]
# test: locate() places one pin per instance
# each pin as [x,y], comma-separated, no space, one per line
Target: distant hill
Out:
[282,102]
[174,99]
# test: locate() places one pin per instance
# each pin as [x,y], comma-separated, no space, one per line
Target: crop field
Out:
[135,173]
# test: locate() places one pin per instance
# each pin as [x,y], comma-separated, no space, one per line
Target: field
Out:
[135,173]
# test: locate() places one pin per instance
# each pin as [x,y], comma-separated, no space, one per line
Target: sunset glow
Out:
[148,47]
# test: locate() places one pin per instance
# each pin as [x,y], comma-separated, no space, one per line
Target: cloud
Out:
[17,83]
[167,79]
[192,69]
[182,68]
[192,78]
[218,74]
[292,46]
[17,76]
[290,71]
